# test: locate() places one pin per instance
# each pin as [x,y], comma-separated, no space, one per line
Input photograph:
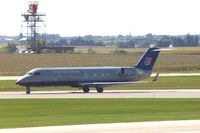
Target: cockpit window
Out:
[33,73]
[29,73]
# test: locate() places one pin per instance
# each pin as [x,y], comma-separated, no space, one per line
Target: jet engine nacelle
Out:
[127,71]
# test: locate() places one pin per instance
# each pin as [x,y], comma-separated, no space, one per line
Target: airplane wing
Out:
[103,84]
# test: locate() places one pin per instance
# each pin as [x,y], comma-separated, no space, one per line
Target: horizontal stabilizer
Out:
[164,49]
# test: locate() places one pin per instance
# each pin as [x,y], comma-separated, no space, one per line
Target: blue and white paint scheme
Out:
[86,77]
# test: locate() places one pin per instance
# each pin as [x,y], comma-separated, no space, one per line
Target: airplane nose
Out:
[19,82]
[22,81]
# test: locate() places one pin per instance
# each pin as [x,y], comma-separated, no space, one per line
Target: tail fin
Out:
[148,59]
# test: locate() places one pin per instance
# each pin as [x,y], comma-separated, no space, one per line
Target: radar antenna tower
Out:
[34,25]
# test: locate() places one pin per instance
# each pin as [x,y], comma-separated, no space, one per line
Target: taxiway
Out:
[186,93]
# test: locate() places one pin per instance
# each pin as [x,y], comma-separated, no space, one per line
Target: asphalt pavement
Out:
[185,93]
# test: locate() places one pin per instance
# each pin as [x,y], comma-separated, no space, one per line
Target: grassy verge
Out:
[184,82]
[38,112]
[179,60]
[191,82]
[108,50]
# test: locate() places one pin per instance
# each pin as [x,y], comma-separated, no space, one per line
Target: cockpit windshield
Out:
[29,73]
[33,73]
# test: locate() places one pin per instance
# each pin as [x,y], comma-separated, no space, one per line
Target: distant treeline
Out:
[180,41]
[121,41]
[127,41]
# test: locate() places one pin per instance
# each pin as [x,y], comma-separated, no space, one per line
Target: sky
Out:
[107,17]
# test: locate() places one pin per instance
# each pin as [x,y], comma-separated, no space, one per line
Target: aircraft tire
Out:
[99,89]
[86,89]
[28,90]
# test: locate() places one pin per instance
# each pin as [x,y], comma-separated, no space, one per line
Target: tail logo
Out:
[147,61]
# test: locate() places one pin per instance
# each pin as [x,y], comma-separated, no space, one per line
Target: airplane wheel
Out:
[86,89]
[28,90]
[99,89]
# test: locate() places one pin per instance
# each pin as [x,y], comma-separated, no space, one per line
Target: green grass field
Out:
[46,112]
[108,50]
[179,60]
[191,82]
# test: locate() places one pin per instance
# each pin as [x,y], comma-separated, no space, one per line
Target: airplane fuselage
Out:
[74,76]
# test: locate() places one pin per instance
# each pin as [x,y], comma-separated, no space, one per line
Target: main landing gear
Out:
[99,89]
[86,89]
[28,90]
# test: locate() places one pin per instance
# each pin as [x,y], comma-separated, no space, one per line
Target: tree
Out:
[149,36]
[165,41]
[191,40]
[11,48]
[178,41]
[61,42]
[40,44]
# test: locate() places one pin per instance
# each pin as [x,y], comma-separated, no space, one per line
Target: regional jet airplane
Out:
[86,77]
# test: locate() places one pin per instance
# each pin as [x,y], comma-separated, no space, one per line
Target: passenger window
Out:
[37,73]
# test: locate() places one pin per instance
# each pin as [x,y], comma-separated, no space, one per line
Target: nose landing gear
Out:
[28,90]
